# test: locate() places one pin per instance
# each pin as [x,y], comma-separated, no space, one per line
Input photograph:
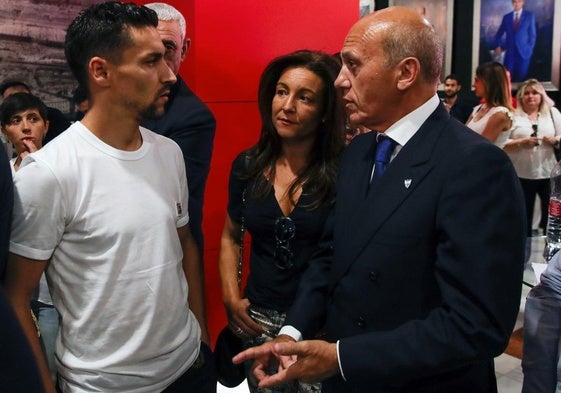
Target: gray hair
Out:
[168,13]
[415,40]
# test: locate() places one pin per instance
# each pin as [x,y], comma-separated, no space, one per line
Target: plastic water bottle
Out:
[553,234]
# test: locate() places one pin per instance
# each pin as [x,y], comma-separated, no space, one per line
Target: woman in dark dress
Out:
[281,190]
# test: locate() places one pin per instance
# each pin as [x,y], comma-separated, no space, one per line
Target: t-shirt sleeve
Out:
[183,213]
[39,213]
[236,188]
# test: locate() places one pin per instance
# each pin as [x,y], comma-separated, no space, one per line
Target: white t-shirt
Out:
[108,221]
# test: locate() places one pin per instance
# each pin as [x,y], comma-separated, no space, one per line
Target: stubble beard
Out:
[152,112]
[155,111]
[450,95]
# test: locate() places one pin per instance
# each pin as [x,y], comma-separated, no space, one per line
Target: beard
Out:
[152,112]
[450,95]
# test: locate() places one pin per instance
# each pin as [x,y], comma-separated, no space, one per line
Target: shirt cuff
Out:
[292,332]
[339,361]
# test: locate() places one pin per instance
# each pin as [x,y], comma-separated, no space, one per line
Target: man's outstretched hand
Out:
[283,360]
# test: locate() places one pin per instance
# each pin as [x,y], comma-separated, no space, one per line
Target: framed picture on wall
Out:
[440,14]
[32,47]
[529,45]
[366,7]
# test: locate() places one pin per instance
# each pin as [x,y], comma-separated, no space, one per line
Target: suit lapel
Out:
[360,218]
[363,160]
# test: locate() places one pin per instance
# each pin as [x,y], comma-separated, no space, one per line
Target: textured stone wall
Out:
[31,46]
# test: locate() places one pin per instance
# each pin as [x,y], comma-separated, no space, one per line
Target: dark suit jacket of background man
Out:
[6,207]
[462,109]
[421,280]
[18,370]
[57,124]
[189,123]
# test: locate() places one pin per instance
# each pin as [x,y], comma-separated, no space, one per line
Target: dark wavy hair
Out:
[103,30]
[19,102]
[495,78]
[321,174]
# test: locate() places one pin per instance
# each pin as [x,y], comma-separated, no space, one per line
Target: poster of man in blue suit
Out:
[517,37]
[519,34]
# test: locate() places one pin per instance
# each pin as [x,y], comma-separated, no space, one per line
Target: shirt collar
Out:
[404,129]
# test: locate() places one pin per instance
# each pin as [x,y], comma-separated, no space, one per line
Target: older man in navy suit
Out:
[187,120]
[519,26]
[416,283]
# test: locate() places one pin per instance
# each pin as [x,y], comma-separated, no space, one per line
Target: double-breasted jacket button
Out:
[373,275]
[360,322]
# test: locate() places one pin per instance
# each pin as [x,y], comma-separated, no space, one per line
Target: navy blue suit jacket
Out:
[58,123]
[189,123]
[18,370]
[420,277]
[6,207]
[521,40]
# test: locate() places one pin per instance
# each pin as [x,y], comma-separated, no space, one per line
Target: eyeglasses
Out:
[535,128]
[284,232]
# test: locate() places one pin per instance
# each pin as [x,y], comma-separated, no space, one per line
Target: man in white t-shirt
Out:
[93,209]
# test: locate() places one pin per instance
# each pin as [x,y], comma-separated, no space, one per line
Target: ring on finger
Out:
[237,330]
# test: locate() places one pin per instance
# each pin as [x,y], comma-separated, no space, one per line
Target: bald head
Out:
[391,65]
[395,14]
[403,32]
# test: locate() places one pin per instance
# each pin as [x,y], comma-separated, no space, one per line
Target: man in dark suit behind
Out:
[187,120]
[417,281]
[519,26]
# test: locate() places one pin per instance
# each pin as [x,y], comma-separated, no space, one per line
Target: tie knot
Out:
[384,149]
[516,20]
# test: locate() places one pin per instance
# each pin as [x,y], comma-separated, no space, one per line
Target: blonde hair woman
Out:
[535,135]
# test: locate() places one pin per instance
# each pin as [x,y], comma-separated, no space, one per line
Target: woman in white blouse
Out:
[535,135]
[492,118]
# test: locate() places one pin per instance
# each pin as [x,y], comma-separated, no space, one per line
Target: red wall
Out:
[232,41]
